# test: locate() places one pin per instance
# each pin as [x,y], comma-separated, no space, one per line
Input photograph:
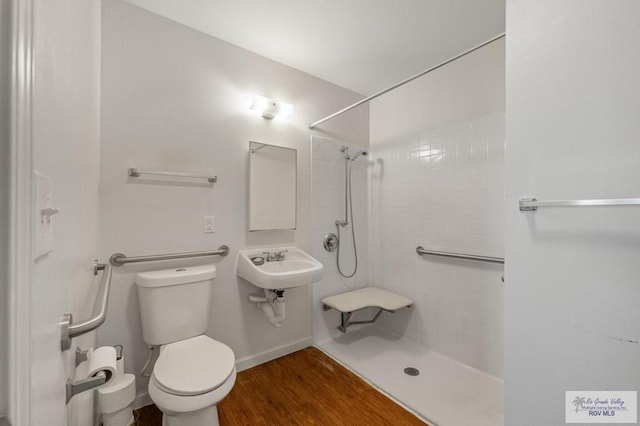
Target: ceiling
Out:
[362,45]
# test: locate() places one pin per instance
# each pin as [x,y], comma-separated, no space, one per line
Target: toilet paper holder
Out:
[81,356]
[75,387]
[95,381]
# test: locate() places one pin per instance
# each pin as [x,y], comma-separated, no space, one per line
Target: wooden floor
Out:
[303,388]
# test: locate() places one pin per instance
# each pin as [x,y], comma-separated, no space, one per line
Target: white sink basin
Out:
[297,268]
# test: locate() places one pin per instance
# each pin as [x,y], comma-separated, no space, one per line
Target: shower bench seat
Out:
[367,297]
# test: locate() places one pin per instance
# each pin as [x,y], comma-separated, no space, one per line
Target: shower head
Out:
[357,154]
[345,151]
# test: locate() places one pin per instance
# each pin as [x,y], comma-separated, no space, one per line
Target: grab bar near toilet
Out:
[69,329]
[119,259]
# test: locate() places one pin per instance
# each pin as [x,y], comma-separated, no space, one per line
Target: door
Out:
[55,151]
[5,105]
[572,290]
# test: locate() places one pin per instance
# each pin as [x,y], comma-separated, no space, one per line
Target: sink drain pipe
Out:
[272,304]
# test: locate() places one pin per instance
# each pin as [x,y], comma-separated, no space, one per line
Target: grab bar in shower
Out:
[421,251]
[119,259]
[532,204]
[135,172]
[69,329]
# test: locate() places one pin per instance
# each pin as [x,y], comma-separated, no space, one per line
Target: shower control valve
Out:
[330,242]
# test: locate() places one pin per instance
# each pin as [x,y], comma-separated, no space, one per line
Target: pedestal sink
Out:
[297,268]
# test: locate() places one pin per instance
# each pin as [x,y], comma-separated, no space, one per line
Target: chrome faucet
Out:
[274,257]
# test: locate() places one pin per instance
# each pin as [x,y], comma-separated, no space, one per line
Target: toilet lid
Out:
[193,366]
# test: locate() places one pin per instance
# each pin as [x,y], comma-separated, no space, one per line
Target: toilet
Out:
[193,372]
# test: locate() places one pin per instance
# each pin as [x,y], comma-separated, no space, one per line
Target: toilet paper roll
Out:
[103,359]
[119,368]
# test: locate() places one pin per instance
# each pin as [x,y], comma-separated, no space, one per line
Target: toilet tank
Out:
[174,303]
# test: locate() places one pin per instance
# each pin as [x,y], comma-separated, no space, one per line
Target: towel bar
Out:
[532,204]
[135,172]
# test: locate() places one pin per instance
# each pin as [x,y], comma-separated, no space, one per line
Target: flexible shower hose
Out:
[353,228]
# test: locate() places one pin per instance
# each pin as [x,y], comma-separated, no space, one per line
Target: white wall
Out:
[176,99]
[437,145]
[571,292]
[66,142]
[5,105]
[327,205]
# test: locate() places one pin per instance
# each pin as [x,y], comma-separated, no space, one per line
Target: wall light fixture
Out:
[270,108]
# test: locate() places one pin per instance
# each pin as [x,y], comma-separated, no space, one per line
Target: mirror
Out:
[272,187]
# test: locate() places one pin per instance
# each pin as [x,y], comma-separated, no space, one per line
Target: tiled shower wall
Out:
[437,180]
[435,177]
[443,189]
[327,192]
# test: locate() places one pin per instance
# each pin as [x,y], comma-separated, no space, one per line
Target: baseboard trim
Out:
[143,399]
[271,354]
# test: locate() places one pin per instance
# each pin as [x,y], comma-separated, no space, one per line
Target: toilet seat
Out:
[177,404]
[193,366]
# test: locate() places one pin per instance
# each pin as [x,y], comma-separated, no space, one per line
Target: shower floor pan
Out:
[445,392]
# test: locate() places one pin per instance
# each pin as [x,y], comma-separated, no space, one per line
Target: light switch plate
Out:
[44,225]
[208,224]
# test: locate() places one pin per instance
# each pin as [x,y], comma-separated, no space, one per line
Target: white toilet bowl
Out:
[189,378]
[193,372]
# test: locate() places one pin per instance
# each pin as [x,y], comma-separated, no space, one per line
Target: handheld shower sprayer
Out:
[348,209]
